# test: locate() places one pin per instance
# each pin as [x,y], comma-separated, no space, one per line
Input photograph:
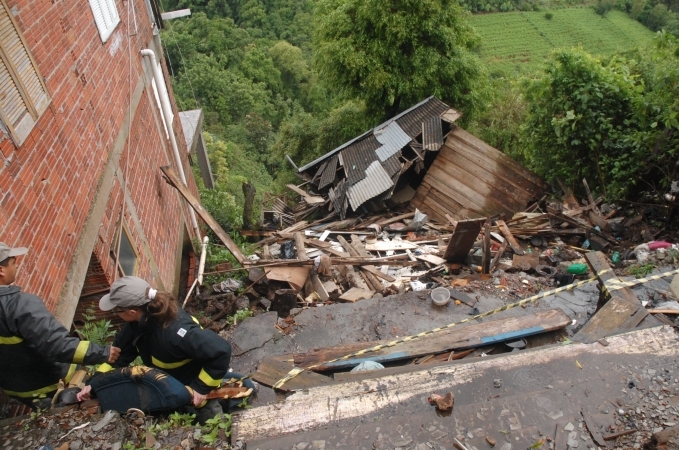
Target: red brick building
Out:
[82,137]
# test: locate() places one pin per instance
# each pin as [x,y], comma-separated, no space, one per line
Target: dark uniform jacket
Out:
[196,357]
[35,349]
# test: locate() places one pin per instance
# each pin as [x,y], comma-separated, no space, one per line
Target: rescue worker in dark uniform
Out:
[167,338]
[36,351]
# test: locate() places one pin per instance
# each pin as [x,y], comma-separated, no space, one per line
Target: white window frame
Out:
[105,17]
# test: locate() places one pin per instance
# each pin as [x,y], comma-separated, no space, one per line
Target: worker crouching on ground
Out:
[166,338]
[36,351]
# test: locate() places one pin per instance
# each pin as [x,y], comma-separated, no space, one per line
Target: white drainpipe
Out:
[166,111]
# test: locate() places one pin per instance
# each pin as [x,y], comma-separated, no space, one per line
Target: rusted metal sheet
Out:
[377,180]
[432,134]
[329,173]
[392,138]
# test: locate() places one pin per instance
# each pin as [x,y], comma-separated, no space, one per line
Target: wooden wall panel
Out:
[470,179]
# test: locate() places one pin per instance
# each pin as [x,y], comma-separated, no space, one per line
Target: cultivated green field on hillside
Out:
[520,41]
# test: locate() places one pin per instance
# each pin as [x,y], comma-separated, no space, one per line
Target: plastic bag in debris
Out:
[417,285]
[366,366]
[228,285]
[642,252]
[288,250]
[419,219]
[667,305]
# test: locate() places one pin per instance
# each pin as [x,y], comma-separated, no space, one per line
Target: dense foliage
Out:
[392,54]
[613,122]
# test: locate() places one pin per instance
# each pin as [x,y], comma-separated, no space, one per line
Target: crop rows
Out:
[521,41]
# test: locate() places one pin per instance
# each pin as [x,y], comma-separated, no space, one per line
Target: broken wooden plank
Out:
[295,276]
[384,246]
[385,222]
[504,229]
[365,270]
[315,285]
[674,286]
[616,316]
[431,259]
[370,282]
[469,336]
[593,427]
[310,199]
[358,245]
[174,181]
[462,240]
[354,294]
[485,261]
[498,255]
[273,368]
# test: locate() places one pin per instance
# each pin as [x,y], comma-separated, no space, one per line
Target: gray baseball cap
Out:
[126,292]
[8,252]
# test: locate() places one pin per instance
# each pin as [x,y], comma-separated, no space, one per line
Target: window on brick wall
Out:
[23,94]
[105,16]
[127,256]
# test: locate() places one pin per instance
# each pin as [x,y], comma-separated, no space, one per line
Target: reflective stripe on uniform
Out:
[164,365]
[10,340]
[106,367]
[34,393]
[208,380]
[71,371]
[196,320]
[80,352]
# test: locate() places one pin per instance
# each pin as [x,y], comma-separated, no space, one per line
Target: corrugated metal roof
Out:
[376,181]
[393,165]
[340,201]
[411,120]
[329,173]
[392,138]
[432,134]
[429,106]
[358,157]
[320,170]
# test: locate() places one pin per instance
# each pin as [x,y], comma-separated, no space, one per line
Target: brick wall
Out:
[47,185]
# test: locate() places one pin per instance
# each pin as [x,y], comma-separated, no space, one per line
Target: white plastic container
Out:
[440,296]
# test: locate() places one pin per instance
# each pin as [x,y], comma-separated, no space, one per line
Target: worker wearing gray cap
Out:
[35,349]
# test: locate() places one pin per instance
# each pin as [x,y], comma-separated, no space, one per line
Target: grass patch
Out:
[519,42]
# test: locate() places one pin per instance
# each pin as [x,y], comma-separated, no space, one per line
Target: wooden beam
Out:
[485,261]
[175,181]
[497,257]
[369,277]
[504,229]
[470,336]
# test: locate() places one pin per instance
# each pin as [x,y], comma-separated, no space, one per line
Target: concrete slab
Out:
[385,318]
[632,383]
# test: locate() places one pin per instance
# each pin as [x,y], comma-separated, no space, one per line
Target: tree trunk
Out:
[249,191]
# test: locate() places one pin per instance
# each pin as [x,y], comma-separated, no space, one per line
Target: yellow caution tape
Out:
[618,285]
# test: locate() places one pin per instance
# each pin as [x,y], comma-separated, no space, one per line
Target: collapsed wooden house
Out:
[419,156]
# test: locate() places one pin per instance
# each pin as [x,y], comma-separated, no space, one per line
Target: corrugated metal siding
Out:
[340,200]
[329,173]
[376,181]
[358,157]
[392,138]
[411,122]
[320,170]
[393,165]
[432,134]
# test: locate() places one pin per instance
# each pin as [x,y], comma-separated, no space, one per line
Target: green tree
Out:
[392,54]
[579,111]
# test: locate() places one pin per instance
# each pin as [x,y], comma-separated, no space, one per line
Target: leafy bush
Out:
[97,331]
[614,122]
[549,15]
